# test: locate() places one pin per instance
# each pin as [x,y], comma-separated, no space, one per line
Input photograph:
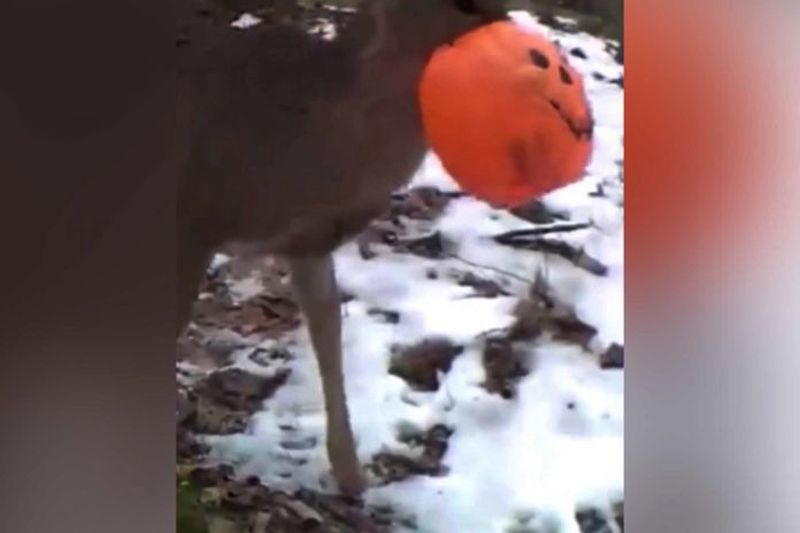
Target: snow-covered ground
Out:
[525,464]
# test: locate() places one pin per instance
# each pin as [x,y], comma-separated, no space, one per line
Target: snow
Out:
[245,21]
[515,465]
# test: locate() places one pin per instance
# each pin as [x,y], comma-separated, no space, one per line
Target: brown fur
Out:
[293,144]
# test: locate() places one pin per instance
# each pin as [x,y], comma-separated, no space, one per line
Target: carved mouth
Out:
[577,130]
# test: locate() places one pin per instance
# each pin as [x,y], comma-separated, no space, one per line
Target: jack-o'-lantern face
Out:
[506,114]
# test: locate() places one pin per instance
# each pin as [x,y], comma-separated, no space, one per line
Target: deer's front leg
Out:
[315,288]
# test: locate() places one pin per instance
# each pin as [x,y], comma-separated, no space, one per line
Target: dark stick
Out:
[511,236]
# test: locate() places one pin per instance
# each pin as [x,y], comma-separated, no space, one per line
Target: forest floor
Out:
[484,366]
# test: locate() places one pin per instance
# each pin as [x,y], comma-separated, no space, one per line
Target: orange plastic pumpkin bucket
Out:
[506,114]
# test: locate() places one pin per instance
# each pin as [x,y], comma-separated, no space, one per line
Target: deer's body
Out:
[294,145]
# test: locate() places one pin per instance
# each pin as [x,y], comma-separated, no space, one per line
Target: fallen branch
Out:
[574,255]
[496,270]
[511,236]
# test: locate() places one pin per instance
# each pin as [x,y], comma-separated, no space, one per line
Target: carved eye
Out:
[538,58]
[467,6]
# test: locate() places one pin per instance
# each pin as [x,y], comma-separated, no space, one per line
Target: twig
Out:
[491,268]
[576,256]
[510,236]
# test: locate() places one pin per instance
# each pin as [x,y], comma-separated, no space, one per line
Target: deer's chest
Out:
[376,142]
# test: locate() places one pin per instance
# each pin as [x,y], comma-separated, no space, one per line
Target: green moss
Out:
[191,517]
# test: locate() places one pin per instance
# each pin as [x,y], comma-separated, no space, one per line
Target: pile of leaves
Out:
[212,500]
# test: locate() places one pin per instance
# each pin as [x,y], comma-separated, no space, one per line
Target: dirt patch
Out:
[432,246]
[483,287]
[504,367]
[395,228]
[236,389]
[540,313]
[393,467]
[591,520]
[223,402]
[419,365]
[613,357]
[266,316]
[420,203]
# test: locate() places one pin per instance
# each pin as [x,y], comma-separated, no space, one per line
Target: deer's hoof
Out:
[350,483]
[350,480]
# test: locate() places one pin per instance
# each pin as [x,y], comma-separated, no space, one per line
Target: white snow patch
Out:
[246,288]
[246,20]
[219,260]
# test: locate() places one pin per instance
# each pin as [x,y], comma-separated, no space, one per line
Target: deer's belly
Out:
[338,173]
[347,210]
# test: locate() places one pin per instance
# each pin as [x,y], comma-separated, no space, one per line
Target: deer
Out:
[292,145]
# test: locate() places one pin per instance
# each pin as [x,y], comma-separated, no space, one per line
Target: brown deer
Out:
[293,144]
